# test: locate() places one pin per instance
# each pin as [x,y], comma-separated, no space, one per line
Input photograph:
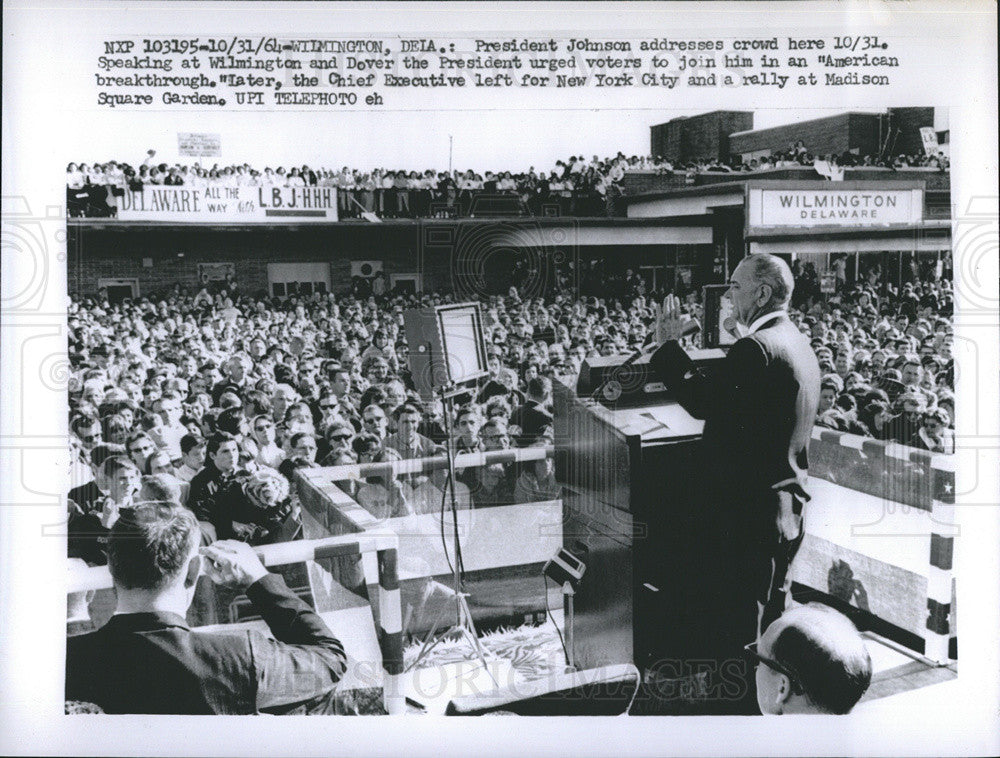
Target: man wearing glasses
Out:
[810,660]
[302,447]
[88,431]
[330,410]
[494,434]
[374,420]
[140,447]
[269,453]
[492,484]
[338,439]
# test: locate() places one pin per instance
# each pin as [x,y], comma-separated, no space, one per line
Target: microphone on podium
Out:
[628,379]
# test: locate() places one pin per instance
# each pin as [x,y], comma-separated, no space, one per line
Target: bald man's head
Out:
[822,650]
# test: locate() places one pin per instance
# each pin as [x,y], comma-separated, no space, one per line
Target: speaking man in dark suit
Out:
[147,660]
[759,406]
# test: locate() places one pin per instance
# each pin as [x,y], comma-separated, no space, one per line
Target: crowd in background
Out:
[577,186]
[797,155]
[212,398]
[885,354]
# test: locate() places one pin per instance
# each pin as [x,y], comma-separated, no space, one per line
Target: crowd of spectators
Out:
[213,398]
[575,187]
[885,354]
[797,155]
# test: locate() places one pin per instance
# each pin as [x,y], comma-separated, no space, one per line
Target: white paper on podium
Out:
[674,419]
[644,424]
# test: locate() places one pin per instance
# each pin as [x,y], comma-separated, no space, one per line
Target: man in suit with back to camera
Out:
[147,660]
[759,405]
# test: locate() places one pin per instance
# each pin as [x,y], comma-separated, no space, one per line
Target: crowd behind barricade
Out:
[574,187]
[213,398]
[885,354]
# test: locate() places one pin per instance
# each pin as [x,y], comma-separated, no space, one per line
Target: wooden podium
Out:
[628,512]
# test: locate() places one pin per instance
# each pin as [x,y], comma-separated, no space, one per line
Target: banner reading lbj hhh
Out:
[237,205]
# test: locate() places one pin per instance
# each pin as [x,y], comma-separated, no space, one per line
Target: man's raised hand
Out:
[234,563]
[669,323]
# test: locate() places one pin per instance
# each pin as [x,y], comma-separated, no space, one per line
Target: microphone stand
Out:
[464,627]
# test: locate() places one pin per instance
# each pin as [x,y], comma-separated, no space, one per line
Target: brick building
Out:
[705,136]
[861,133]
[722,135]
[891,133]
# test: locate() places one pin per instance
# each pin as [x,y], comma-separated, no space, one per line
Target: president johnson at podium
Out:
[759,406]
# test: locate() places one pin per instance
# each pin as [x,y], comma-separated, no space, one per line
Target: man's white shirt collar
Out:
[759,322]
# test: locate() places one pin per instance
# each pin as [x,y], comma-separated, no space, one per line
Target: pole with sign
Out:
[929,139]
[827,284]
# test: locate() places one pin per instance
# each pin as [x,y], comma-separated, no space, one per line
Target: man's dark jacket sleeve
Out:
[758,403]
[703,395]
[304,658]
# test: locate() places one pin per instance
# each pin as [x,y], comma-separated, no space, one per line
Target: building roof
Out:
[806,122]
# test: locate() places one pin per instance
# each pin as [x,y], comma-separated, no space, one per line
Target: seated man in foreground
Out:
[811,660]
[147,660]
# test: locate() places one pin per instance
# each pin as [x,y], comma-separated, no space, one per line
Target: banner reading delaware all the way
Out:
[236,205]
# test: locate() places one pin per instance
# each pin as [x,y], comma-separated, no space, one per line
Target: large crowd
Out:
[576,186]
[212,398]
[797,155]
[885,354]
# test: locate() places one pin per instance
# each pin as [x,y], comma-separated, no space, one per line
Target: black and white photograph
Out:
[445,370]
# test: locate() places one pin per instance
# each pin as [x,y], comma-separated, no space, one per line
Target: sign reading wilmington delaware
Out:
[229,204]
[791,207]
[837,206]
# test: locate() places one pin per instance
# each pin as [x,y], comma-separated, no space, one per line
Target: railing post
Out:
[391,631]
[939,631]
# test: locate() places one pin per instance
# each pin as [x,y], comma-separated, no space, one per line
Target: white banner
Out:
[199,145]
[237,205]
